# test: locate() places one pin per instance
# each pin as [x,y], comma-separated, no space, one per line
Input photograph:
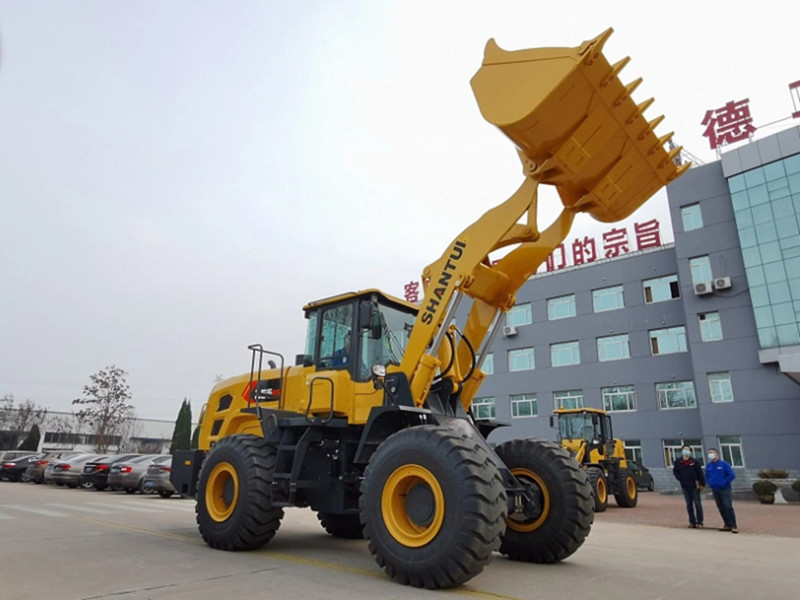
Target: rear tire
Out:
[566,497]
[599,483]
[165,494]
[130,490]
[234,494]
[432,506]
[347,527]
[627,494]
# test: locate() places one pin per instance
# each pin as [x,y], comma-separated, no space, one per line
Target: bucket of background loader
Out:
[576,125]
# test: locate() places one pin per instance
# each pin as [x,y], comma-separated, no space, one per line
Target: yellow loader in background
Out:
[587,434]
[371,425]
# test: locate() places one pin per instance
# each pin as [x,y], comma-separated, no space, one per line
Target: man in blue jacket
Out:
[690,475]
[719,476]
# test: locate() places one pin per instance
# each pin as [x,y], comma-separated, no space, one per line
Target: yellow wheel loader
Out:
[371,425]
[587,434]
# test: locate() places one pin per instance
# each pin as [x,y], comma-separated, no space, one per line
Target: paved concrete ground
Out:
[670,511]
[78,544]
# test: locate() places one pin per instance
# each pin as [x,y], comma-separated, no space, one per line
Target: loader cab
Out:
[590,425]
[354,332]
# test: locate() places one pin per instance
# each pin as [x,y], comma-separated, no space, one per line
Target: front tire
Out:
[566,498]
[347,527]
[234,499]
[432,506]
[599,483]
[627,494]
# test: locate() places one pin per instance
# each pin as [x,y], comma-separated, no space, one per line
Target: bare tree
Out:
[105,406]
[61,429]
[128,432]
[16,420]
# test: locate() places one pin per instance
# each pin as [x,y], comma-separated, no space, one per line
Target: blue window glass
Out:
[758,195]
[700,267]
[736,183]
[609,298]
[692,217]
[613,347]
[774,171]
[788,335]
[759,295]
[753,178]
[766,232]
[792,164]
[561,307]
[787,228]
[566,353]
[794,183]
[740,200]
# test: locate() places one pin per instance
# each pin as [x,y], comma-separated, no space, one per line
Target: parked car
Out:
[6,455]
[68,472]
[129,475]
[157,477]
[36,469]
[642,476]
[95,472]
[14,469]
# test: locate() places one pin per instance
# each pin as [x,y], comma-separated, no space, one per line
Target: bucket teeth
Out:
[615,70]
[661,142]
[651,126]
[640,110]
[629,89]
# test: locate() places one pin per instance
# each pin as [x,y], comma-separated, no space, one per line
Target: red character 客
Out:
[412,291]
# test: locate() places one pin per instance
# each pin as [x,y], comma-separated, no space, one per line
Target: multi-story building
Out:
[696,342]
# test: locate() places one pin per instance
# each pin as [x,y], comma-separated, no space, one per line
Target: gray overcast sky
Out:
[178,178]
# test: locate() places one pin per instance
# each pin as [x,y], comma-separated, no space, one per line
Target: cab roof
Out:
[570,411]
[368,292]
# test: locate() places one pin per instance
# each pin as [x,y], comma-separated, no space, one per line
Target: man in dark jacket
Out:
[719,475]
[690,475]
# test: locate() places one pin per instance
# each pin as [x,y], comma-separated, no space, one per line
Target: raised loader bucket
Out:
[577,126]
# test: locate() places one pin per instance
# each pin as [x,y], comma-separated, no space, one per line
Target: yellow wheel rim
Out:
[631,487]
[602,491]
[222,492]
[412,505]
[527,525]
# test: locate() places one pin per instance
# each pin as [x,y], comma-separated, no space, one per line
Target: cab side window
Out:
[335,337]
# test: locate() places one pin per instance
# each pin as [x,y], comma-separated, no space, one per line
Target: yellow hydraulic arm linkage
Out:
[576,128]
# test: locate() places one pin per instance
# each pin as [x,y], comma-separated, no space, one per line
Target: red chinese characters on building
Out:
[648,234]
[615,242]
[794,92]
[412,291]
[583,251]
[557,260]
[728,124]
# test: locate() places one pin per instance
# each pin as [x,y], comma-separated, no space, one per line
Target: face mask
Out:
[711,456]
[686,454]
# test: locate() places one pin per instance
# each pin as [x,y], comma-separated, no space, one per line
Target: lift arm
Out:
[576,128]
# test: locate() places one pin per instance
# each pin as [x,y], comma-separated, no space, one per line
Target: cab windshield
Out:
[387,345]
[572,426]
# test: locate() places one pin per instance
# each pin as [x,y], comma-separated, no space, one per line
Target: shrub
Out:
[763,487]
[796,486]
[773,474]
